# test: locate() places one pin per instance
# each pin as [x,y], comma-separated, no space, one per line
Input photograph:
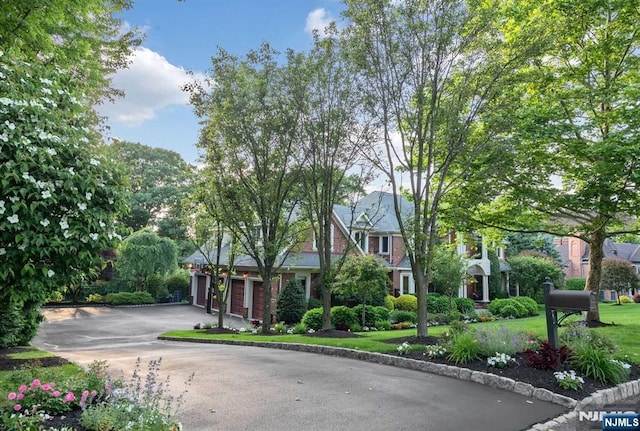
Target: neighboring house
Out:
[575,258]
[369,228]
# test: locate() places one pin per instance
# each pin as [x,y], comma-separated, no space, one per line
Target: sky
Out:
[181,38]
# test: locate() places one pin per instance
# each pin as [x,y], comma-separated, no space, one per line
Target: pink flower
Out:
[20,396]
[56,394]
[35,383]
[85,394]
[17,407]
[46,387]
[12,396]
[23,388]
[93,393]
[69,397]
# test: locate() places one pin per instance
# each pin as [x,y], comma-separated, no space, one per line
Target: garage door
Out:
[258,295]
[201,297]
[237,297]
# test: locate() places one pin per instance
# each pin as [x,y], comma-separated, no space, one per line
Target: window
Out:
[361,240]
[385,243]
[315,240]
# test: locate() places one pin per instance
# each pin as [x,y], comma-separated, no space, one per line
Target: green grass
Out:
[30,353]
[624,334]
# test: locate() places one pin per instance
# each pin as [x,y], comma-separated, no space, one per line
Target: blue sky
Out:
[183,36]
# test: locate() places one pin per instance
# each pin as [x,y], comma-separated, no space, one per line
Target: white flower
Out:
[71,171]
[46,194]
[82,206]
[51,151]
[88,196]
[2,209]
[50,273]
[67,234]
[93,236]
[64,224]
[110,201]
[101,223]
[2,251]
[14,219]
[94,162]
[44,222]
[23,246]
[10,125]
[4,137]
[14,199]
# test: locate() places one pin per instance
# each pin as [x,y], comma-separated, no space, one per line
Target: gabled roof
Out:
[375,212]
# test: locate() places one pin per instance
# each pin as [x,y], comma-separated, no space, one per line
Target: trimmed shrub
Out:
[636,298]
[437,303]
[314,303]
[529,303]
[129,298]
[465,305]
[156,286]
[383,325]
[577,283]
[382,313]
[399,316]
[291,304]
[343,317]
[178,282]
[507,308]
[370,315]
[390,302]
[312,319]
[406,303]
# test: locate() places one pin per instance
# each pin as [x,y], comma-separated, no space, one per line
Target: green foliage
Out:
[529,304]
[438,303]
[399,316]
[501,339]
[129,298]
[144,253]
[463,348]
[10,325]
[156,285]
[364,278]
[291,303]
[314,303]
[372,314]
[312,319]
[406,303]
[343,317]
[619,275]
[390,302]
[518,242]
[495,278]
[178,282]
[598,363]
[577,283]
[531,271]
[300,328]
[449,270]
[508,307]
[60,201]
[464,305]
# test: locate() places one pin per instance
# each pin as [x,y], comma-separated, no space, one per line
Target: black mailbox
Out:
[573,300]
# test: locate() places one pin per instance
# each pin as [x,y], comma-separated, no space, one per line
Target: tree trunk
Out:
[421,289]
[596,255]
[326,305]
[266,304]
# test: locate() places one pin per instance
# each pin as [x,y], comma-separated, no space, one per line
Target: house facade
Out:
[371,227]
[575,254]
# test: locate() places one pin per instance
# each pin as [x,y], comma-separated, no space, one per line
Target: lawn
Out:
[625,332]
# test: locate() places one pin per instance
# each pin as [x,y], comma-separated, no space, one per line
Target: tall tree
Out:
[160,179]
[250,134]
[449,271]
[334,131]
[434,70]
[577,164]
[619,275]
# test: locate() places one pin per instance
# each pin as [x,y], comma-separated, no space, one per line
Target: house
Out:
[371,227]
[575,257]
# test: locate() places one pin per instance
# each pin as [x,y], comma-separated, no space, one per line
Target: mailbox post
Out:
[569,302]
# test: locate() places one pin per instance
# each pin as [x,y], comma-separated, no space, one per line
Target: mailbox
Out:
[573,300]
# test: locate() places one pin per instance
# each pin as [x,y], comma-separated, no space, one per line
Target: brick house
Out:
[369,228]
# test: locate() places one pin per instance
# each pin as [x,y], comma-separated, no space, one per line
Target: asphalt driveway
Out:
[246,388]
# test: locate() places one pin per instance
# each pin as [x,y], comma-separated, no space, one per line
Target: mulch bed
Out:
[332,333]
[519,371]
[7,363]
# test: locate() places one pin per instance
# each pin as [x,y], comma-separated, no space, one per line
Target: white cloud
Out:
[150,83]
[318,19]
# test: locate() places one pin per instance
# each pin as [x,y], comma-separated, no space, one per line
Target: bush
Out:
[578,283]
[598,363]
[10,326]
[465,305]
[547,357]
[314,303]
[463,348]
[530,304]
[156,286]
[437,303]
[129,298]
[406,303]
[312,319]
[300,328]
[390,302]
[291,304]
[624,299]
[507,308]
[178,282]
[435,319]
[494,340]
[372,314]
[399,316]
[383,325]
[343,317]
[636,298]
[95,297]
